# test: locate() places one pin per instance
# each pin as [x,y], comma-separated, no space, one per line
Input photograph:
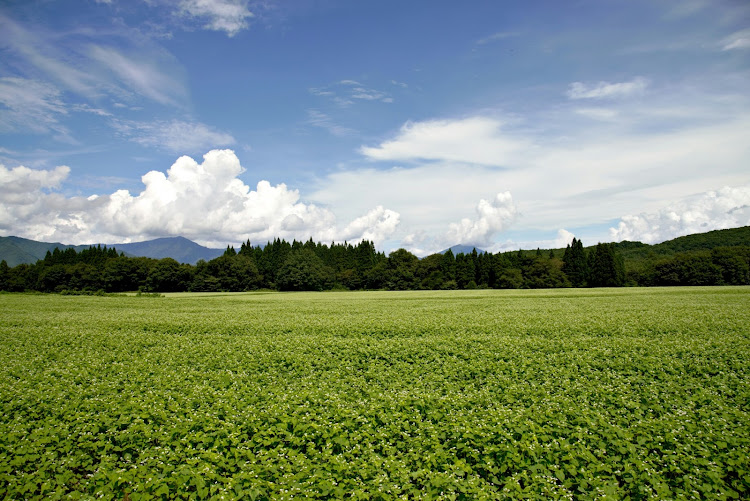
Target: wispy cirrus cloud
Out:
[173,135]
[30,105]
[143,74]
[32,51]
[739,40]
[320,119]
[229,16]
[607,90]
[348,92]
[500,35]
[605,114]
[78,63]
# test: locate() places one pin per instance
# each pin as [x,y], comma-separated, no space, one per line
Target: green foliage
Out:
[401,271]
[605,266]
[544,273]
[574,264]
[304,271]
[346,266]
[167,275]
[575,394]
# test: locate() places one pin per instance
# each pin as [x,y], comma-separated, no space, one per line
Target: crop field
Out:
[561,394]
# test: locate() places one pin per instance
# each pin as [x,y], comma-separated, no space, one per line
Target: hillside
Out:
[697,241]
[16,250]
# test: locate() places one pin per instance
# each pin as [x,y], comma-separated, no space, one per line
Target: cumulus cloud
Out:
[492,217]
[376,226]
[564,238]
[174,135]
[713,210]
[206,202]
[26,199]
[571,177]
[229,16]
[607,90]
[561,240]
[24,180]
[476,140]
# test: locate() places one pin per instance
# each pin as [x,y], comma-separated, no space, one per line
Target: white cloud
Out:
[501,35]
[229,16]
[606,90]
[59,64]
[320,119]
[575,176]
[76,61]
[25,198]
[738,40]
[85,108]
[30,106]
[492,217]
[24,180]
[564,238]
[477,140]
[174,135]
[604,114]
[145,74]
[347,92]
[376,226]
[206,202]
[367,94]
[714,210]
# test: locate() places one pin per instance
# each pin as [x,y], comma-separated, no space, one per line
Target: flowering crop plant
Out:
[553,394]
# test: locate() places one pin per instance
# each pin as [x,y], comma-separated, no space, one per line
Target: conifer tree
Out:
[575,266]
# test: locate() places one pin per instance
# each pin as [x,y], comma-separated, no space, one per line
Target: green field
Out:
[577,394]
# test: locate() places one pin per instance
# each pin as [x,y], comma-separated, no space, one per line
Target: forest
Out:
[311,266]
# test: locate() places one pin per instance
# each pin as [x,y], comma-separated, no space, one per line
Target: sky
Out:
[419,124]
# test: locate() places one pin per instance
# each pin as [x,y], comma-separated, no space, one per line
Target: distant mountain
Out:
[16,250]
[178,248]
[462,249]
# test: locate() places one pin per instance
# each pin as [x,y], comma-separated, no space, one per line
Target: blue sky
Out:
[413,124]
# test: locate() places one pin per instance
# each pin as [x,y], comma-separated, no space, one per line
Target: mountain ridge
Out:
[462,249]
[17,250]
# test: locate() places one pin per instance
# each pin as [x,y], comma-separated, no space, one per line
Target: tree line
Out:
[298,266]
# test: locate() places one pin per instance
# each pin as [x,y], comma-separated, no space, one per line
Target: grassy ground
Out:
[624,393]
